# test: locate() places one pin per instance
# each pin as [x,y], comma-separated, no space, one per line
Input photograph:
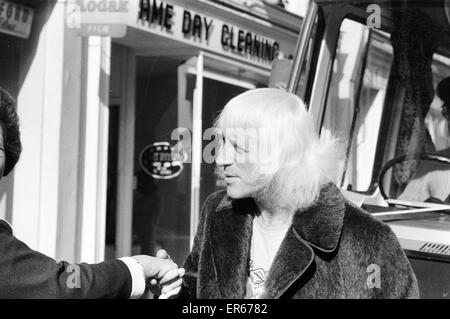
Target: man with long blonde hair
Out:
[282,228]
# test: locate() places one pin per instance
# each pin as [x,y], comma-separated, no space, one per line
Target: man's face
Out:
[2,153]
[241,168]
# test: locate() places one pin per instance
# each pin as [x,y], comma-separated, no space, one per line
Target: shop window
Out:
[162,208]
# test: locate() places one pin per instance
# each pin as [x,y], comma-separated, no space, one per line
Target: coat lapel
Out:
[292,260]
[320,225]
[5,225]
[317,227]
[231,232]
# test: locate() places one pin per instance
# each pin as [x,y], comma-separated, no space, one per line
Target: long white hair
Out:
[302,162]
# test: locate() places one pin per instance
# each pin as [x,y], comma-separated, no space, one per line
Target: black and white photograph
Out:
[236,150]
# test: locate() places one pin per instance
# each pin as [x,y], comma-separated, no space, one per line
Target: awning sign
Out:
[111,18]
[206,32]
[98,17]
[160,161]
[15,19]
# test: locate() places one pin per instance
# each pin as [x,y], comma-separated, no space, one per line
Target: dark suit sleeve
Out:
[25,273]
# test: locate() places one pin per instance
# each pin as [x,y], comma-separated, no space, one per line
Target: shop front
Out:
[16,39]
[171,74]
[107,92]
[28,195]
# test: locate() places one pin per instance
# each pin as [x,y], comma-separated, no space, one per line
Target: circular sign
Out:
[159,161]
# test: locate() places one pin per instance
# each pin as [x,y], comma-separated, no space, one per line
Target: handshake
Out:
[163,277]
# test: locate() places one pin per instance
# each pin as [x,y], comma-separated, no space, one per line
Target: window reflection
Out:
[356,97]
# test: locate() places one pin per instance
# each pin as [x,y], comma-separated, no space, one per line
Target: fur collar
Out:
[7,226]
[320,224]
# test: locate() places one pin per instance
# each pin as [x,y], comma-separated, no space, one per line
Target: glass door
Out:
[216,82]
[206,84]
[170,105]
[175,169]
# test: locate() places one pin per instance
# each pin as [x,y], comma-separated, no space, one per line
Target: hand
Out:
[163,272]
[171,284]
[154,267]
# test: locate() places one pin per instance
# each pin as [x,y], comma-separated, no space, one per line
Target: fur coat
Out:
[333,249]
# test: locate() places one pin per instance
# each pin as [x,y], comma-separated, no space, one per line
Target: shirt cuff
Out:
[137,277]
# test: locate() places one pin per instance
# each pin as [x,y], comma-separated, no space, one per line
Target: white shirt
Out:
[264,245]
[137,277]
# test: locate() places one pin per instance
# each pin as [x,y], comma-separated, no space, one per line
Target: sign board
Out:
[159,161]
[112,18]
[205,32]
[98,17]
[15,19]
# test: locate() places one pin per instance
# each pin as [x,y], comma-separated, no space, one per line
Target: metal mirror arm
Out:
[302,46]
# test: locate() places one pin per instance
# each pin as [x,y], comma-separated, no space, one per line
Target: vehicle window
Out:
[356,95]
[435,121]
[419,177]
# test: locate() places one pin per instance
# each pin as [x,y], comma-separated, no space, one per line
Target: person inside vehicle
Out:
[431,181]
